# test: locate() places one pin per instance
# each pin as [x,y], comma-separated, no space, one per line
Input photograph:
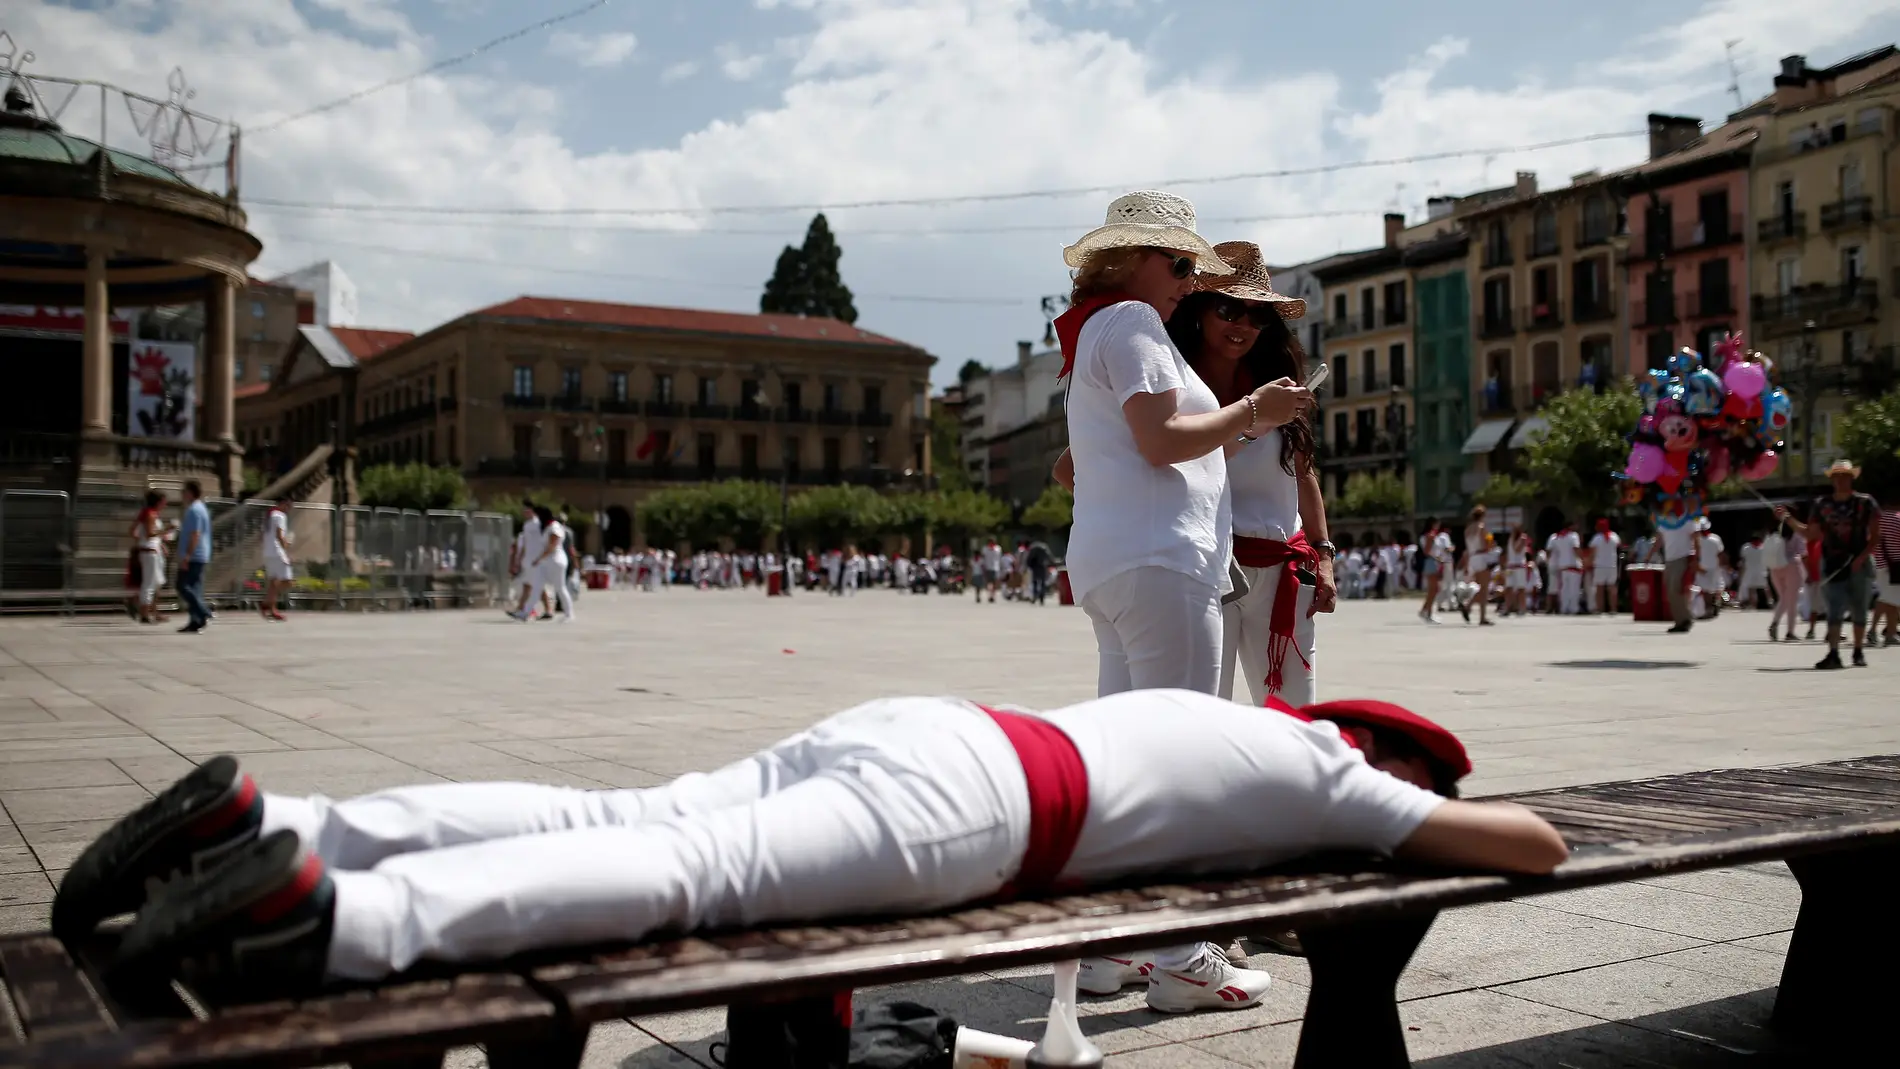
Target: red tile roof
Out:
[364,343]
[800,328]
[252,390]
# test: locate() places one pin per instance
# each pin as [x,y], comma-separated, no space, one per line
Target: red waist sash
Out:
[1266,553]
[1058,800]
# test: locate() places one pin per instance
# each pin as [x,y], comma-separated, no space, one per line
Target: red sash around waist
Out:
[1266,553]
[1058,799]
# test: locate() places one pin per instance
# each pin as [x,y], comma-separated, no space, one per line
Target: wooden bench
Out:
[1837,825]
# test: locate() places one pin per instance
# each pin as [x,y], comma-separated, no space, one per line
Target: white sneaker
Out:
[1105,976]
[1210,982]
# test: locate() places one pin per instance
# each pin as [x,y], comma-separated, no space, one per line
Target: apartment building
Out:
[1825,243]
[1000,402]
[1442,392]
[1364,415]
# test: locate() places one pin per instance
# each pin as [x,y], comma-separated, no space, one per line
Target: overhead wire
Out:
[919,231]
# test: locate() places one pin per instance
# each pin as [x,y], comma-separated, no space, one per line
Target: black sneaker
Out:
[256,929]
[191,827]
[191,629]
[1681,628]
[1832,660]
[1860,659]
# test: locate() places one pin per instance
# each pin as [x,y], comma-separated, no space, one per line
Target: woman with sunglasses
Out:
[1148,551]
[1234,334]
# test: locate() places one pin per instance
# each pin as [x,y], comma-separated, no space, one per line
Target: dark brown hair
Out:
[1275,354]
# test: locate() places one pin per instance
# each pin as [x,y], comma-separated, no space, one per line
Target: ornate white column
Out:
[95,352]
[220,359]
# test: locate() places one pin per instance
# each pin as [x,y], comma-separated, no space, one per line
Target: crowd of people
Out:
[1022,574]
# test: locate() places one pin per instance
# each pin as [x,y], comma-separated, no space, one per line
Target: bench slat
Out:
[1738,804]
[51,999]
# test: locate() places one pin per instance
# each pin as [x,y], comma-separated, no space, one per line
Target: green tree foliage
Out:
[831,516]
[1367,494]
[946,449]
[1053,511]
[971,369]
[963,515]
[806,280]
[1501,490]
[1576,462]
[413,486]
[1869,435]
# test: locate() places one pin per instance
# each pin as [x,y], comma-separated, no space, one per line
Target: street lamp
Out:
[1807,399]
[784,481]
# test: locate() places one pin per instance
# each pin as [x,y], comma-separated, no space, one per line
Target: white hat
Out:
[1702,524]
[1148,218]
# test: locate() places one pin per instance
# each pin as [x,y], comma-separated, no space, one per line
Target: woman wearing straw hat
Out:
[1233,331]
[1148,552]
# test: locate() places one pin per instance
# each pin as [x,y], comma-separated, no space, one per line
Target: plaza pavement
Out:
[97,712]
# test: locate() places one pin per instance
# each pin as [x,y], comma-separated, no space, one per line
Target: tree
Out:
[1502,490]
[1381,493]
[746,512]
[834,515]
[1869,434]
[1053,511]
[806,280]
[413,486]
[674,516]
[971,369]
[962,515]
[946,449]
[1577,460]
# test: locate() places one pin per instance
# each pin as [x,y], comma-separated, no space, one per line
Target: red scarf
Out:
[1069,325]
[1266,553]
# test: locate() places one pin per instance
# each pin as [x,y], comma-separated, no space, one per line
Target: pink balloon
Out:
[1646,463]
[1746,381]
[1717,467]
[1761,467]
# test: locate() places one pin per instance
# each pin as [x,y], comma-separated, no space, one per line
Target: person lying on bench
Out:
[898,806]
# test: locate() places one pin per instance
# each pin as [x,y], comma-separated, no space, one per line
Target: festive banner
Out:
[56,320]
[163,389]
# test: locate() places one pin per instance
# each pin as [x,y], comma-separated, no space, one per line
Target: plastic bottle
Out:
[1063,1046]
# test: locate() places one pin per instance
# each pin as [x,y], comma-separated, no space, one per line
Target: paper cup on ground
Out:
[986,1050]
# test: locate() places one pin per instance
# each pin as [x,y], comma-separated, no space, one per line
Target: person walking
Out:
[276,554]
[1435,547]
[989,570]
[1751,587]
[527,546]
[1039,562]
[1481,557]
[1517,547]
[1679,560]
[1151,540]
[148,544]
[1846,523]
[549,566]
[1886,561]
[194,555]
[1711,579]
[1233,332]
[1605,567]
[1781,554]
[1564,553]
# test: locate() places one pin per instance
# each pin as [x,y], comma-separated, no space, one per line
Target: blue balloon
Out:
[1777,408]
[1702,393]
[1684,361]
[1651,388]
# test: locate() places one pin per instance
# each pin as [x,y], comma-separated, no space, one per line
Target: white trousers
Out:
[1246,636]
[1155,627]
[1570,592]
[898,805]
[151,574]
[551,574]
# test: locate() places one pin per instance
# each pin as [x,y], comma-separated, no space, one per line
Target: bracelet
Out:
[1253,417]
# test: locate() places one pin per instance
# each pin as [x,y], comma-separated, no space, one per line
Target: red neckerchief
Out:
[1069,325]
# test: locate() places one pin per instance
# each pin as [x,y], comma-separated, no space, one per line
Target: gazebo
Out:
[87,234]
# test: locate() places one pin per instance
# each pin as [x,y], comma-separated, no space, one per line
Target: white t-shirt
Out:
[1565,550]
[1128,513]
[1266,500]
[557,560]
[1753,572]
[274,526]
[1440,548]
[992,558]
[530,541]
[1189,783]
[1774,551]
[1678,542]
[1709,552]
[1603,549]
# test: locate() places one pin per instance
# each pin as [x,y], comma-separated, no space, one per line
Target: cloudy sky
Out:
[662,112]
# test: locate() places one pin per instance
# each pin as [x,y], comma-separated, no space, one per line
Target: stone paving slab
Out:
[96,713]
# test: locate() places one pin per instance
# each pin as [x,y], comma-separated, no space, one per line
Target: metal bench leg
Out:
[1352,1014]
[562,1050]
[1839,972]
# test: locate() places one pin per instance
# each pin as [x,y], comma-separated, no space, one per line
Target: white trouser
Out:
[1570,591]
[1156,627]
[151,574]
[551,574]
[1246,636]
[1604,578]
[898,805]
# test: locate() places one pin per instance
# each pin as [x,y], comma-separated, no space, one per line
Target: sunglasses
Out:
[1231,310]
[1181,267]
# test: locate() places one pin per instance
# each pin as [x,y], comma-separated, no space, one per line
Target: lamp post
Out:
[784,481]
[1807,399]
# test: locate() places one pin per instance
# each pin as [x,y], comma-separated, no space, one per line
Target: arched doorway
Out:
[619,532]
[1550,520]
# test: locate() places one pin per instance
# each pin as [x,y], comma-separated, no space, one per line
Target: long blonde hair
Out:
[1105,271]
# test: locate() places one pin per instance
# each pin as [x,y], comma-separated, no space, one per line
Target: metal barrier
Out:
[36,533]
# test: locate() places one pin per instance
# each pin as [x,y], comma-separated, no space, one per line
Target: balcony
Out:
[1827,307]
[1850,212]
[1496,323]
[1687,236]
[1866,372]
[1791,227]
[1587,236]
[795,414]
[835,417]
[621,407]
[1364,450]
[663,409]
[704,410]
[1592,310]
[445,404]
[1545,315]
[1359,324]
[1658,311]
[874,419]
[415,413]
[1712,302]
[1497,255]
[1506,400]
[523,400]
[754,411]
[571,402]
[1542,245]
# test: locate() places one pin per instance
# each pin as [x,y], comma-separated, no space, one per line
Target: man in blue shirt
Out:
[194,553]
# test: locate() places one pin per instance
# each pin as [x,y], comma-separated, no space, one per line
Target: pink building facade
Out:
[1687,259]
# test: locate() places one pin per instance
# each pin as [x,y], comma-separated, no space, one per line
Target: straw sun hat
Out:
[1148,218]
[1843,467]
[1250,281]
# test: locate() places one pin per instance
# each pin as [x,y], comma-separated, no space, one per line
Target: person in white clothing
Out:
[1516,552]
[898,805]
[1233,332]
[148,543]
[1436,545]
[1605,567]
[1752,586]
[1565,550]
[1481,558]
[989,570]
[1782,555]
[549,566]
[1150,544]
[276,554]
[528,545]
[1711,581]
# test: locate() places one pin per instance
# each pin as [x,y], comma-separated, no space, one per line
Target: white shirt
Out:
[1565,550]
[1679,542]
[1513,552]
[1603,549]
[1753,572]
[1774,551]
[1266,500]
[558,558]
[1440,548]
[275,525]
[1128,513]
[992,558]
[530,541]
[1709,552]
[1190,783]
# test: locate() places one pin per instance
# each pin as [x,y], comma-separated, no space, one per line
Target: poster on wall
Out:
[163,389]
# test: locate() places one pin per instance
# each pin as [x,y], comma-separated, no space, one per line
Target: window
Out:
[707,450]
[1787,275]
[1367,318]
[570,445]
[1596,369]
[1784,200]
[1544,233]
[237,369]
[524,381]
[788,450]
[1850,180]
[431,397]
[617,448]
[257,309]
[1340,438]
[662,449]
[1706,337]
[570,382]
[1365,428]
[1659,222]
[265,372]
[749,395]
[834,457]
[1712,216]
[1853,265]
[794,397]
[708,390]
[871,452]
[663,388]
[1596,221]
[873,401]
[1395,302]
[1544,295]
[1588,294]
[1395,363]
[749,455]
[451,384]
[1342,374]
[1661,344]
[1713,297]
[257,336]
[617,386]
[1497,303]
[1369,370]
[524,442]
[834,397]
[1497,244]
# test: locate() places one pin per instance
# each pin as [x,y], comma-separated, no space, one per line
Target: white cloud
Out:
[936,97]
[738,64]
[679,72]
[593,50]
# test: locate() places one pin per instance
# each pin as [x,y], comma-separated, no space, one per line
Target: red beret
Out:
[1441,744]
